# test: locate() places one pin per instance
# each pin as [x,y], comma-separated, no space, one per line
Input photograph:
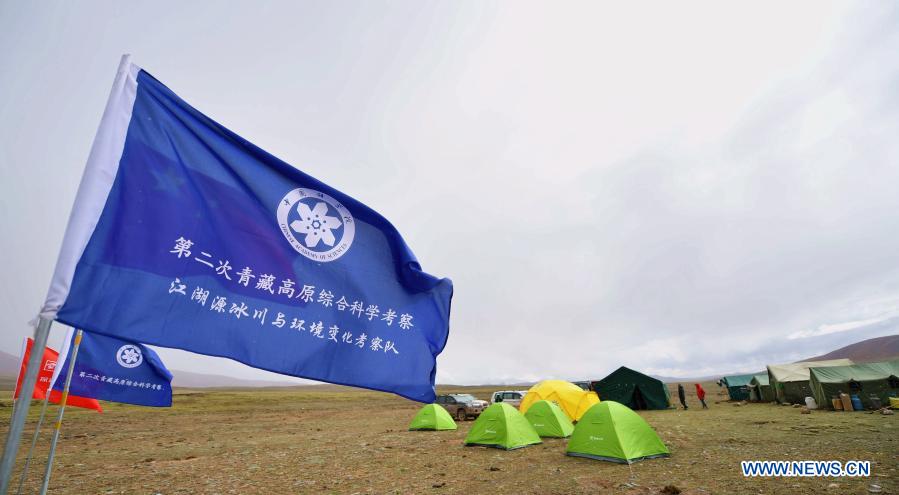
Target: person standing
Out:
[682,395]
[701,394]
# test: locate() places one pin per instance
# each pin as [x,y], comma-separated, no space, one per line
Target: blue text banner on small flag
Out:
[111,369]
[186,235]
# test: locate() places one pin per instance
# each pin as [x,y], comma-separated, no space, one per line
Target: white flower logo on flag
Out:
[315,224]
[129,356]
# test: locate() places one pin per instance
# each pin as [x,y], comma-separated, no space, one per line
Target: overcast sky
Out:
[685,188]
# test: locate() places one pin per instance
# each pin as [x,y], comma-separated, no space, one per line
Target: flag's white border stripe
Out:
[63,354]
[99,174]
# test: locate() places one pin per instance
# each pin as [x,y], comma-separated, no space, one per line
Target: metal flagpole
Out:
[15,402]
[17,422]
[37,432]
[62,410]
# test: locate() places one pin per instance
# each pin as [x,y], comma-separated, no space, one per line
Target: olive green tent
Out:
[432,417]
[633,389]
[790,382]
[503,427]
[610,431]
[549,420]
[760,389]
[880,379]
[737,386]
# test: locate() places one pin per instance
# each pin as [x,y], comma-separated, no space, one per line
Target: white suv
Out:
[511,397]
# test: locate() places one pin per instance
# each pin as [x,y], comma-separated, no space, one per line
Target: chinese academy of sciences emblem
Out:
[315,224]
[129,356]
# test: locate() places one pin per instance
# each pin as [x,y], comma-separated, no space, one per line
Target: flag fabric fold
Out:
[115,370]
[185,235]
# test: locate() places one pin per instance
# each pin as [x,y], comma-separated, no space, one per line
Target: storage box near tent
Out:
[790,382]
[760,389]
[633,389]
[880,379]
[737,386]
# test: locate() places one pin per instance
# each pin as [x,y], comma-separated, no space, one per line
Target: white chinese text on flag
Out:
[186,235]
[115,370]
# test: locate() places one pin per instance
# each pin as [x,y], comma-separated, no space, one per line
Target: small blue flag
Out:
[115,370]
[185,235]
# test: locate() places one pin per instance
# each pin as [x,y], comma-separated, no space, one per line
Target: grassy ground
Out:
[337,440]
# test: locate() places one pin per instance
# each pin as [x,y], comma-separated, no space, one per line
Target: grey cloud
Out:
[603,188]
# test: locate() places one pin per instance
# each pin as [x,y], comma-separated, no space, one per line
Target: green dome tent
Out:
[633,389]
[549,420]
[432,417]
[610,431]
[503,427]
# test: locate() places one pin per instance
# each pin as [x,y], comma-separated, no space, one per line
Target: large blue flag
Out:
[186,235]
[108,368]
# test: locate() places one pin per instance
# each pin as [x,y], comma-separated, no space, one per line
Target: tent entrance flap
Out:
[639,401]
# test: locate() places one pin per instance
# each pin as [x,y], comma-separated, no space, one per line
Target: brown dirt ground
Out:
[338,440]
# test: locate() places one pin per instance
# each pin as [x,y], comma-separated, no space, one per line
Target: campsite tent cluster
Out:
[823,380]
[604,430]
[601,423]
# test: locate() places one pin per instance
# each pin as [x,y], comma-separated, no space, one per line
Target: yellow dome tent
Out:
[573,400]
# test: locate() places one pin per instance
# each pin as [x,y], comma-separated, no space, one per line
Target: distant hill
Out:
[9,364]
[695,379]
[866,351]
[9,368]
[875,349]
[190,379]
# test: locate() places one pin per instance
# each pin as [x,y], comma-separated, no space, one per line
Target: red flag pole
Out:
[62,410]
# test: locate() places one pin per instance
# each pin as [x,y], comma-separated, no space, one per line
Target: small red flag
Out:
[48,364]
